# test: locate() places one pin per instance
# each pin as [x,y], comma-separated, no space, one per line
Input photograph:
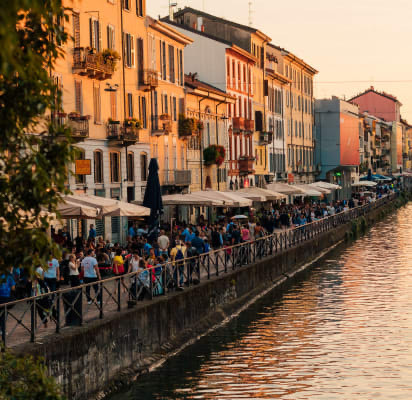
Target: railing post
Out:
[4,326]
[208,266]
[118,294]
[101,300]
[58,303]
[33,320]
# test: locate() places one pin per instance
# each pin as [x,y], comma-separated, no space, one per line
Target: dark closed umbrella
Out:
[153,199]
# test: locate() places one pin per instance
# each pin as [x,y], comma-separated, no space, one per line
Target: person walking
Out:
[91,274]
[52,274]
[74,271]
[163,242]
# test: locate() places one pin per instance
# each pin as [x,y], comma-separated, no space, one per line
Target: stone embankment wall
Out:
[92,360]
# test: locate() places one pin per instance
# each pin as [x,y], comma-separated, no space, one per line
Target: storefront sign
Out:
[83,167]
[291,178]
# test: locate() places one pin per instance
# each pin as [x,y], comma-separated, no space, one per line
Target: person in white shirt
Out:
[74,271]
[91,274]
[163,242]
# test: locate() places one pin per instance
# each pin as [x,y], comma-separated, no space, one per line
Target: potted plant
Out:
[199,125]
[186,125]
[110,57]
[74,115]
[133,122]
[164,117]
[209,155]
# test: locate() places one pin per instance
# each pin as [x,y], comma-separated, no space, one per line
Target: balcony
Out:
[149,79]
[125,133]
[177,177]
[249,126]
[161,125]
[91,64]
[238,124]
[265,138]
[246,165]
[78,124]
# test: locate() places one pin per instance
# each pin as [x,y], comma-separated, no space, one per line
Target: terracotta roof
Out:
[192,82]
[383,94]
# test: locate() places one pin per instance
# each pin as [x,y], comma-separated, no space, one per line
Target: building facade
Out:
[337,125]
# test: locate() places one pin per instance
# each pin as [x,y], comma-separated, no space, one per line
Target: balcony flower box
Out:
[165,117]
[74,115]
[187,126]
[133,122]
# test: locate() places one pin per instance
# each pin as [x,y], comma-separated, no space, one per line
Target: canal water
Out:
[343,333]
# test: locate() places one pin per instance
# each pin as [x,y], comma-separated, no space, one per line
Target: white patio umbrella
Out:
[69,209]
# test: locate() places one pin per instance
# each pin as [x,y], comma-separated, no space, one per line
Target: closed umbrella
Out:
[153,199]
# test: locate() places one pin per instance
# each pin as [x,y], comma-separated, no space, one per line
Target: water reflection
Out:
[344,333]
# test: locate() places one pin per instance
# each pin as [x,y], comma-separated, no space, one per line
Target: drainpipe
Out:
[283,132]
[217,139]
[201,149]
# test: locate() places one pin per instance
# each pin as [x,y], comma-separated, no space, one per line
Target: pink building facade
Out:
[379,104]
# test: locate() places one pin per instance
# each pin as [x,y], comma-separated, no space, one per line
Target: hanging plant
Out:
[214,154]
[110,57]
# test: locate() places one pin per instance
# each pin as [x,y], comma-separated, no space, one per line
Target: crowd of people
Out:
[93,259]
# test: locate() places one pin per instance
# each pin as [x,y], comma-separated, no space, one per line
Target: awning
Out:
[259,194]
[309,190]
[69,209]
[110,207]
[320,188]
[326,185]
[190,200]
[230,199]
[364,183]
[284,188]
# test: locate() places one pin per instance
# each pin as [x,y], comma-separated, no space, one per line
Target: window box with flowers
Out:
[111,58]
[133,123]
[214,154]
[165,117]
[187,126]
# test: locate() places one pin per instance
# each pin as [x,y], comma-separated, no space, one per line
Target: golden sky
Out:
[353,43]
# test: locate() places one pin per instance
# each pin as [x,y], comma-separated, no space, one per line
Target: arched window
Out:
[143,167]
[80,179]
[98,166]
[130,166]
[115,174]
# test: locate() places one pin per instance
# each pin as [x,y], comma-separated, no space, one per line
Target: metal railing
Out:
[24,320]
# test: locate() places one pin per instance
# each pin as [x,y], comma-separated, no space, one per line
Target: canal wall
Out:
[93,360]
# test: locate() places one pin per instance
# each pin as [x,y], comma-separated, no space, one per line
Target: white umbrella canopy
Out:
[320,188]
[364,183]
[326,185]
[284,188]
[110,207]
[309,190]
[229,199]
[266,194]
[69,209]
[190,199]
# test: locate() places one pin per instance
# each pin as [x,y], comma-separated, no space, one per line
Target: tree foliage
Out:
[25,379]
[34,153]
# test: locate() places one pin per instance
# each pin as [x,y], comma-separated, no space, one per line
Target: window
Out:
[171,64]
[95,34]
[129,50]
[228,72]
[139,8]
[144,113]
[113,105]
[111,39]
[80,179]
[97,104]
[140,60]
[239,77]
[130,105]
[127,4]
[98,166]
[174,109]
[233,74]
[143,167]
[115,175]
[180,66]
[76,30]
[182,156]
[130,167]
[163,60]
[78,97]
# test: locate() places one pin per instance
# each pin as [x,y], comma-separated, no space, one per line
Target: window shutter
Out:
[99,36]
[78,96]
[132,51]
[140,60]
[76,30]
[91,29]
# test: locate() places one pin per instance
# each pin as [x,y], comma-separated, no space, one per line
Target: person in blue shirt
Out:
[92,233]
[132,231]
[147,246]
[52,274]
[7,287]
[198,243]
